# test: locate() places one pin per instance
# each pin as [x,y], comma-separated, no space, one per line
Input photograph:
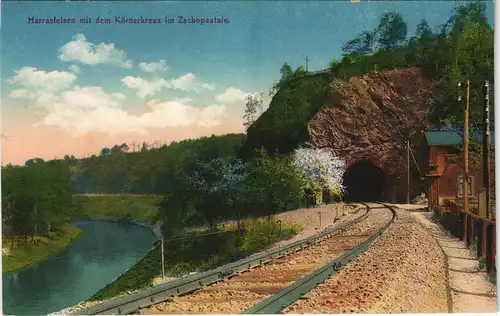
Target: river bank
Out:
[105,250]
[154,228]
[139,210]
[142,210]
[24,256]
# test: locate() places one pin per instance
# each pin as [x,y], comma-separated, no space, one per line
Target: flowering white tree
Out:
[320,168]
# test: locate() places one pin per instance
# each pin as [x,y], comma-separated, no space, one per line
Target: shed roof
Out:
[454,137]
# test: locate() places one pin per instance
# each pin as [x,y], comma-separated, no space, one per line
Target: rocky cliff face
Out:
[370,117]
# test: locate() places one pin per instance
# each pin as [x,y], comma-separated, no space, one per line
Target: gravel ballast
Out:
[402,272]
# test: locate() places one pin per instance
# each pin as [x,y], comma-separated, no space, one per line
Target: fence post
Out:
[489,248]
[493,247]
[484,238]
[479,243]
[470,231]
[464,227]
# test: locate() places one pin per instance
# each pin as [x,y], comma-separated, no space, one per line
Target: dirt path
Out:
[471,291]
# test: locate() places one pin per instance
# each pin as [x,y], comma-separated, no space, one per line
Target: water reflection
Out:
[105,251]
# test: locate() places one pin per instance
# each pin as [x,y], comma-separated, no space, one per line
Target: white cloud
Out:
[74,68]
[154,67]
[80,110]
[180,113]
[145,88]
[33,79]
[188,82]
[80,50]
[20,94]
[208,86]
[231,95]
[212,115]
[90,109]
[128,64]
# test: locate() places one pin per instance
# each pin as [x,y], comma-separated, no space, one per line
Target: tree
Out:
[170,212]
[105,151]
[471,13]
[320,169]
[37,197]
[421,48]
[391,30]
[144,147]
[272,184]
[253,105]
[334,63]
[124,147]
[116,150]
[286,72]
[423,31]
[34,162]
[465,52]
[286,75]
[300,72]
[363,44]
[213,182]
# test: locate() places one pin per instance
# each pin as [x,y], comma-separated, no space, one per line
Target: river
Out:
[103,253]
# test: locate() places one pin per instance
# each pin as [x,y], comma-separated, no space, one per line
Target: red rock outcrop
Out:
[370,117]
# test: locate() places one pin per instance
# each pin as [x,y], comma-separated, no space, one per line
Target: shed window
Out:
[460,186]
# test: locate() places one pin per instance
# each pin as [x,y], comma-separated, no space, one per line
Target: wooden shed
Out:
[444,174]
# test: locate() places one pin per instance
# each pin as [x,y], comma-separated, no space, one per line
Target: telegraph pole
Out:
[486,147]
[466,162]
[307,63]
[466,150]
[162,261]
[161,242]
[408,171]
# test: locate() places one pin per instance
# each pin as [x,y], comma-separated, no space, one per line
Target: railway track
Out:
[264,283]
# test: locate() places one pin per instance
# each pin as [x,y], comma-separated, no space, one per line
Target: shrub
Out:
[259,234]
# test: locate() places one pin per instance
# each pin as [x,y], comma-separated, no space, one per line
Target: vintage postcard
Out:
[257,157]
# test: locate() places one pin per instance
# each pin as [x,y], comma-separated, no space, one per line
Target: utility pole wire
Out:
[408,170]
[486,148]
[414,160]
[466,159]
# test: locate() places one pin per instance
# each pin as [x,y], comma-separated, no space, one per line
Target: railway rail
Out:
[269,281]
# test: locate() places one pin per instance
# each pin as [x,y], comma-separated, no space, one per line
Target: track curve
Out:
[235,287]
[271,287]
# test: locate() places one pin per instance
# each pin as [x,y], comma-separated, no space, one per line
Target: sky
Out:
[76,88]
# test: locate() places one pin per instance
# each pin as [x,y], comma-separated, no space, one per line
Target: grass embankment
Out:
[142,208]
[23,255]
[199,252]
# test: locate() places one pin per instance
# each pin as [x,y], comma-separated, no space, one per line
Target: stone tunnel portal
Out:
[364,182]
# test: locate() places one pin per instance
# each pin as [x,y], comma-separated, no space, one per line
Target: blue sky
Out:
[245,54]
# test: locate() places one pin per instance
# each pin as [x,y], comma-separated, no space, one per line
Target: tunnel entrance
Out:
[363,182]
